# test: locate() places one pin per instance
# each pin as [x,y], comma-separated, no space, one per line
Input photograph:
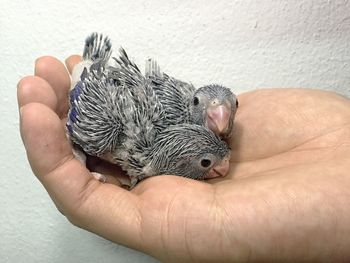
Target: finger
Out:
[55,73]
[105,209]
[71,62]
[44,138]
[35,89]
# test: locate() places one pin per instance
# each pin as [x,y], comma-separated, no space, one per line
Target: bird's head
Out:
[214,106]
[190,151]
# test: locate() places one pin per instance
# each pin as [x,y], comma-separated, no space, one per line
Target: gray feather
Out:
[96,55]
[97,48]
[152,69]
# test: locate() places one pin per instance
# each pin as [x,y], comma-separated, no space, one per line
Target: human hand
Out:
[286,196]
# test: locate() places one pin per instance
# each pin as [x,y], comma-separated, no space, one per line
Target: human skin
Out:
[286,198]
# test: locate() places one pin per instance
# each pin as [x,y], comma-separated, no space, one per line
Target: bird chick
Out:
[213,106]
[189,150]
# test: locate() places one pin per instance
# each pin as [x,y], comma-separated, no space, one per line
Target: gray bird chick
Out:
[190,151]
[213,106]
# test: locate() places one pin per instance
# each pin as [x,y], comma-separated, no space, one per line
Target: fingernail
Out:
[35,64]
[20,112]
[20,125]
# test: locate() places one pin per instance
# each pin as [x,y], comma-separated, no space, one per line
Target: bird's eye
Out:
[195,101]
[237,103]
[205,163]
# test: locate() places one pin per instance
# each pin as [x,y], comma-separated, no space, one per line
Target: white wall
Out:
[243,44]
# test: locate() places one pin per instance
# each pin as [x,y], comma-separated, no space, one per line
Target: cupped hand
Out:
[286,197]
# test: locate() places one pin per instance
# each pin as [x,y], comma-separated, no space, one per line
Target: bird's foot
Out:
[100,177]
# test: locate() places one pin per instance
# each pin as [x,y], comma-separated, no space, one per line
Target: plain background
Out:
[243,44]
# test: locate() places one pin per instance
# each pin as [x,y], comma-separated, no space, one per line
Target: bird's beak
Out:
[220,170]
[218,118]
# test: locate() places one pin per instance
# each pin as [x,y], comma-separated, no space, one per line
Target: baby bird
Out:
[213,106]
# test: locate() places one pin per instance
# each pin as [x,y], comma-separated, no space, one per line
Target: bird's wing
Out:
[175,97]
[94,121]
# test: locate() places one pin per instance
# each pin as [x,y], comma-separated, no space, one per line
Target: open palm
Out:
[287,191]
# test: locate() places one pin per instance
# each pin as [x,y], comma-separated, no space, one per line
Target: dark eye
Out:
[195,101]
[236,103]
[205,163]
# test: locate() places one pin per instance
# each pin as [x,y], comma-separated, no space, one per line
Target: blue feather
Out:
[73,115]
[76,91]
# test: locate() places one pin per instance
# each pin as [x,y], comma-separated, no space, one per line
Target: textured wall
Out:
[244,44]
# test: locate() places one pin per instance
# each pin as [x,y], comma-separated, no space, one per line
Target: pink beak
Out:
[220,170]
[218,118]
